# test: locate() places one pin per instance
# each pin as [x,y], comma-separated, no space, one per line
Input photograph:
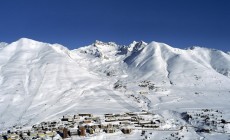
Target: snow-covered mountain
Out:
[41,81]
[3,44]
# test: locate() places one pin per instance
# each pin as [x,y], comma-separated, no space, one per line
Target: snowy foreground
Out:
[40,82]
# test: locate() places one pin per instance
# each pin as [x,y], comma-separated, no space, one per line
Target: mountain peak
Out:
[137,45]
[3,44]
[26,40]
[138,42]
[101,43]
[26,44]
[196,47]
[160,44]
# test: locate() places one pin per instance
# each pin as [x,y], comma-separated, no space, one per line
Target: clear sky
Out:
[75,23]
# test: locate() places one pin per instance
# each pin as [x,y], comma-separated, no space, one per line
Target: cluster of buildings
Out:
[88,125]
[85,125]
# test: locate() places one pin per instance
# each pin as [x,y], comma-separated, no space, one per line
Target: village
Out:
[86,125]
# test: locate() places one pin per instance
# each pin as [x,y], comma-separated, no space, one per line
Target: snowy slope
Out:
[167,64]
[41,81]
